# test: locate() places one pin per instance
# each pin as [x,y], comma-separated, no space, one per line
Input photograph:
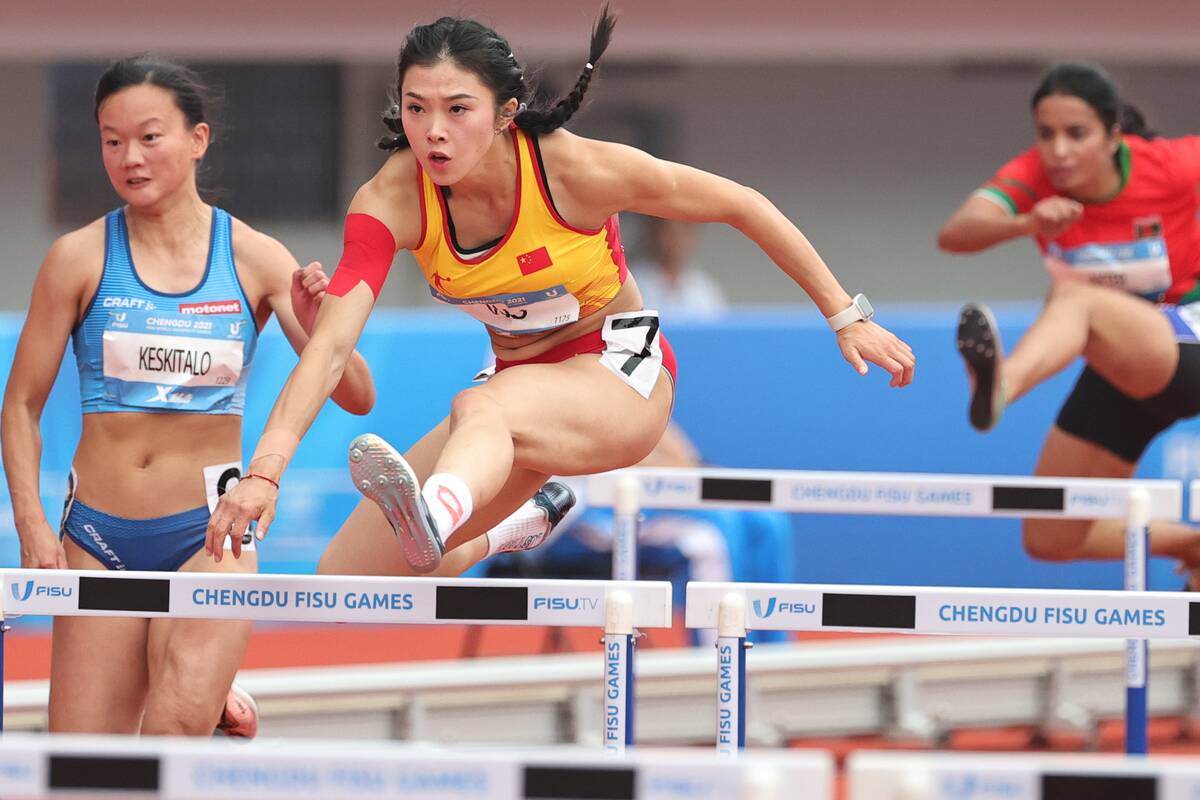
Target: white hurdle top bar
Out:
[890,493]
[192,769]
[327,598]
[1020,776]
[969,612]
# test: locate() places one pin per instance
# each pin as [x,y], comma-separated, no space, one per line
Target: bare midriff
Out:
[141,466]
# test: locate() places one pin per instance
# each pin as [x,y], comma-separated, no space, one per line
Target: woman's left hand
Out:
[308,287]
[865,341]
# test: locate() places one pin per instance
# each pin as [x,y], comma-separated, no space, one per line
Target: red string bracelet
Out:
[265,478]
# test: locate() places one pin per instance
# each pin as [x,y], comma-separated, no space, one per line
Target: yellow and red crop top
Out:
[541,275]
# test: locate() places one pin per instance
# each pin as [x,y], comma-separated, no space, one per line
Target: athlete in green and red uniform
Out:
[1113,210]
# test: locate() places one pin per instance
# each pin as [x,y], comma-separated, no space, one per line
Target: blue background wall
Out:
[763,388]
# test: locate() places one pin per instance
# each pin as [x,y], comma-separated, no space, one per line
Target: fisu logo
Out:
[758,608]
[22,596]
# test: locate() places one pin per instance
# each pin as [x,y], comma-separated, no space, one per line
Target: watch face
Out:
[864,305]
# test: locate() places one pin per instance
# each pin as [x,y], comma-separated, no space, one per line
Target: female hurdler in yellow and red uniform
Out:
[514,220]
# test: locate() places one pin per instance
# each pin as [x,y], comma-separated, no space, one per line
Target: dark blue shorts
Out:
[161,544]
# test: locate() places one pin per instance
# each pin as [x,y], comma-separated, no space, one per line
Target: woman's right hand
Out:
[1052,216]
[250,500]
[41,548]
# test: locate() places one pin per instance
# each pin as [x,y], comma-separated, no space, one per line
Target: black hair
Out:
[195,99]
[474,46]
[1094,86]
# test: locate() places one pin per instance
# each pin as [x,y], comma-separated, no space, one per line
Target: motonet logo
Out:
[764,610]
[214,307]
[32,589]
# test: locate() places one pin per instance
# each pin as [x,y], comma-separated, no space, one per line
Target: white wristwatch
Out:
[860,309]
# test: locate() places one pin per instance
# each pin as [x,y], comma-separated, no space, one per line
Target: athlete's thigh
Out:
[200,656]
[577,417]
[97,667]
[1131,342]
[1066,455]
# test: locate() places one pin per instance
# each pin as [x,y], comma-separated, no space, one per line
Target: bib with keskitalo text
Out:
[169,361]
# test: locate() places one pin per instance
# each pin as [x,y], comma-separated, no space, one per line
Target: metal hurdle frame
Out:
[1018,776]
[619,607]
[909,494]
[193,769]
[932,610]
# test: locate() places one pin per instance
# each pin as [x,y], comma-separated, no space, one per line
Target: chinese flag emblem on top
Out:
[534,260]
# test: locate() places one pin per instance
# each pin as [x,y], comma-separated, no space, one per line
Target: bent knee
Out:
[1053,540]
[473,403]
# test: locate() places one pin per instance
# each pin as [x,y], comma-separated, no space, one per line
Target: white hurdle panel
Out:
[734,608]
[1020,776]
[1064,613]
[617,606]
[191,769]
[909,494]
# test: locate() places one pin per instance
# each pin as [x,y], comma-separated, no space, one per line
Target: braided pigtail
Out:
[545,120]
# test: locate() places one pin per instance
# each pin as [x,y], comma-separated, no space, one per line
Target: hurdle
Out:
[922,610]
[1019,776]
[909,494]
[618,607]
[191,769]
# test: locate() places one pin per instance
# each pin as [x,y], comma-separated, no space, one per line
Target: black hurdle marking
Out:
[747,490]
[1099,787]
[128,773]
[1029,498]
[124,594]
[1193,618]
[483,602]
[579,783]
[869,610]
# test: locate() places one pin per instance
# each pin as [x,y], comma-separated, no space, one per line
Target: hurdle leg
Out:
[731,676]
[1137,655]
[625,528]
[618,672]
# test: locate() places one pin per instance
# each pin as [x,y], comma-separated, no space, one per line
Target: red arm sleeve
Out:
[1018,184]
[367,254]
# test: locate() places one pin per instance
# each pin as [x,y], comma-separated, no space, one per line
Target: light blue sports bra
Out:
[138,349]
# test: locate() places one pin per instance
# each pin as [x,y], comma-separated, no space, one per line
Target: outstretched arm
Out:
[623,178]
[323,360]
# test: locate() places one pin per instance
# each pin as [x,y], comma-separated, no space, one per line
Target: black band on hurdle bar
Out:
[749,490]
[1193,619]
[579,783]
[869,610]
[483,602]
[128,773]
[124,594]
[1099,787]
[1028,498]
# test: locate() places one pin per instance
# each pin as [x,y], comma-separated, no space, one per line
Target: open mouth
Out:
[136,182]
[439,159]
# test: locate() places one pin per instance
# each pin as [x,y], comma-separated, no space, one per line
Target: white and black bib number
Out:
[633,350]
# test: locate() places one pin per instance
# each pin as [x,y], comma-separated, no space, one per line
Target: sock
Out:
[449,502]
[524,529]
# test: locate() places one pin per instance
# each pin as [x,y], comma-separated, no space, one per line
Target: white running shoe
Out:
[386,479]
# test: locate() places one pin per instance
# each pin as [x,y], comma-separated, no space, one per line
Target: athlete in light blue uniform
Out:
[162,300]
[138,349]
